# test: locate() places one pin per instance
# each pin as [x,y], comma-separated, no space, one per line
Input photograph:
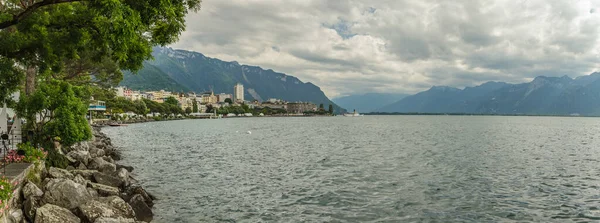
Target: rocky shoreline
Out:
[92,189]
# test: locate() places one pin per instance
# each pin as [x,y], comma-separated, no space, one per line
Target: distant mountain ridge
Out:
[542,96]
[186,70]
[368,102]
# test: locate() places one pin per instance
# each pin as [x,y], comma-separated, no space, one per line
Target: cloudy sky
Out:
[404,46]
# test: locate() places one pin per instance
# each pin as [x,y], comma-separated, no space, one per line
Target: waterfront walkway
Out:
[14,170]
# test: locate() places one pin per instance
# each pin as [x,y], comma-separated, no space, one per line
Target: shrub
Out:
[6,192]
[32,154]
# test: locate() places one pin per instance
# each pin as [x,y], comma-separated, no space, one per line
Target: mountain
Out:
[542,96]
[151,78]
[367,102]
[196,72]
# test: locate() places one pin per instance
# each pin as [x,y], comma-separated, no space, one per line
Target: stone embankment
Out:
[92,189]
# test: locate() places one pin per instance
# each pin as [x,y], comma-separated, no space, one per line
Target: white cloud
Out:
[403,46]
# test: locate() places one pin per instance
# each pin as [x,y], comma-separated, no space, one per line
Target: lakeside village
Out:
[196,105]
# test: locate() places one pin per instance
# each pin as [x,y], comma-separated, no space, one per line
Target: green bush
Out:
[32,154]
[6,191]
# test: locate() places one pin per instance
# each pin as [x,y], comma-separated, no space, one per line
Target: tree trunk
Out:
[30,75]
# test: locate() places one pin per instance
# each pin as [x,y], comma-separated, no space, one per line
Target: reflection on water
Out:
[372,168]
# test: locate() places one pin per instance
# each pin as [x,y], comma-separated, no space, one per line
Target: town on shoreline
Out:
[196,105]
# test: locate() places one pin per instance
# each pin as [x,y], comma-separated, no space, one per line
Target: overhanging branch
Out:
[29,10]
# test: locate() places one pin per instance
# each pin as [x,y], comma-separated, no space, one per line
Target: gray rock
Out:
[109,159]
[87,174]
[53,214]
[131,191]
[80,156]
[81,146]
[142,211]
[82,167]
[115,220]
[70,168]
[109,180]
[102,165]
[123,175]
[93,192]
[104,190]
[96,152]
[110,207]
[31,190]
[29,207]
[80,180]
[123,209]
[128,168]
[16,216]
[65,193]
[54,172]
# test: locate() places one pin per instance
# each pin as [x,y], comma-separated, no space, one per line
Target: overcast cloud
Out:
[405,46]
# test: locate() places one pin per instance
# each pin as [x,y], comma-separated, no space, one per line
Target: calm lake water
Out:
[368,169]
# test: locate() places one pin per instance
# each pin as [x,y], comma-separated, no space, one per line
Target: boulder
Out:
[54,172]
[52,214]
[131,191]
[81,146]
[80,156]
[69,168]
[105,208]
[96,152]
[115,220]
[80,180]
[86,174]
[109,180]
[122,208]
[29,207]
[102,165]
[142,211]
[65,193]
[82,167]
[104,190]
[123,176]
[31,190]
[16,216]
[109,159]
[93,192]
[128,168]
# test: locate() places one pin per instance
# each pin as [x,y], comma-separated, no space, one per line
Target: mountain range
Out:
[184,71]
[542,96]
[367,102]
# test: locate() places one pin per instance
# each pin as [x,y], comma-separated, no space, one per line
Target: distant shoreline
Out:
[476,114]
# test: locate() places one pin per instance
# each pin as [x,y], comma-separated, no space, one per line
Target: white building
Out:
[120,91]
[238,93]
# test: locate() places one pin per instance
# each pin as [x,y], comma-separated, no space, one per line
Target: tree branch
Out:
[29,10]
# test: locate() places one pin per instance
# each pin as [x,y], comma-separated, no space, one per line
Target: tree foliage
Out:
[195,106]
[85,40]
[330,109]
[57,109]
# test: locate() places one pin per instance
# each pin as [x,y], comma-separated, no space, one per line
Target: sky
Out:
[401,46]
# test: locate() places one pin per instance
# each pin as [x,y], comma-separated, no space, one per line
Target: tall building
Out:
[238,92]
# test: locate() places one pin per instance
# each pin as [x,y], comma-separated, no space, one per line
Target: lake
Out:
[368,169]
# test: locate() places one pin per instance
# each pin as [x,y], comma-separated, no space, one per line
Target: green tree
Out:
[171,101]
[228,101]
[43,36]
[188,110]
[330,109]
[61,110]
[195,106]
[321,108]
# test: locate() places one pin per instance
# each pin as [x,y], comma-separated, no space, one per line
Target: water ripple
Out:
[369,169]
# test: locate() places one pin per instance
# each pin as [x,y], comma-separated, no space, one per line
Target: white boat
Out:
[355,114]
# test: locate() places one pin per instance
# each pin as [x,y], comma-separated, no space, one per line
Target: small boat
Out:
[355,114]
[116,125]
